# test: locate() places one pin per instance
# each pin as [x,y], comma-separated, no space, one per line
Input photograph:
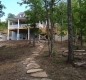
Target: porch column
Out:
[18,30]
[28,33]
[8,30]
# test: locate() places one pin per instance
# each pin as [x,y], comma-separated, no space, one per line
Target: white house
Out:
[18,28]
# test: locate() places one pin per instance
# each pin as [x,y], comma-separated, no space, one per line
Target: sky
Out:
[12,7]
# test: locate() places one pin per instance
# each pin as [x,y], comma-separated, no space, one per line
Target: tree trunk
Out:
[61,29]
[74,31]
[30,40]
[34,41]
[51,39]
[47,18]
[81,40]
[52,27]
[70,33]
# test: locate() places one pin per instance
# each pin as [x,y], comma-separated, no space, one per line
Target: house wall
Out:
[14,36]
[22,36]
[58,38]
[18,25]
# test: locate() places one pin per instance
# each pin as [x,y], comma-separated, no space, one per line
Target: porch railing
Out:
[16,26]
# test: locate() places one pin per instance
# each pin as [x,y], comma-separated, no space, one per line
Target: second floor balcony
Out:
[15,26]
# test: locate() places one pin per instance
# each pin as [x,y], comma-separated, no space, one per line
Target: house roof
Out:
[16,19]
[20,16]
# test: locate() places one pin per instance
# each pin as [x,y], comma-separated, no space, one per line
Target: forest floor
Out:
[57,66]
[12,53]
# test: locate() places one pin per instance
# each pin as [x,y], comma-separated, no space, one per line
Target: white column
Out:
[18,30]
[8,30]
[28,33]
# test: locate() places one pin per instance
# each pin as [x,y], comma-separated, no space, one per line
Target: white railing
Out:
[38,25]
[13,27]
[16,26]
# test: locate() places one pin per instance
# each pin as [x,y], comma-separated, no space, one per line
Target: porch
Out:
[19,34]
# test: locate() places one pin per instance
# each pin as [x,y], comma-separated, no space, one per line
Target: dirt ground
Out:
[14,52]
[11,56]
[57,66]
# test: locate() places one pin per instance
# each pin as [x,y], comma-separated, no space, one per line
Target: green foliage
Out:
[10,15]
[3,25]
[37,12]
[35,31]
[79,9]
[1,9]
[61,12]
